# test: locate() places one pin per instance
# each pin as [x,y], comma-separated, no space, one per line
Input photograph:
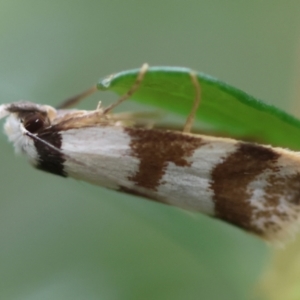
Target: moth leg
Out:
[132,90]
[137,119]
[190,119]
[72,101]
[99,105]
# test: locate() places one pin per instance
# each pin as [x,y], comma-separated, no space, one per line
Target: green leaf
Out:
[229,110]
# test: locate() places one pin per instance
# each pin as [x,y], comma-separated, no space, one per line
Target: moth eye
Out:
[34,123]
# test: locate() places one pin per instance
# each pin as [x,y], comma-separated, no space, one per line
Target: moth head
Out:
[25,117]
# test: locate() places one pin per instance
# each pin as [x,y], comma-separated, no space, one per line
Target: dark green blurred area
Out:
[62,239]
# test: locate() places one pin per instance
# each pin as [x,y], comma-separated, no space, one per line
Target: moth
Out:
[252,186]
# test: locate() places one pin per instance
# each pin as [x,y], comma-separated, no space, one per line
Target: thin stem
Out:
[190,119]
[132,90]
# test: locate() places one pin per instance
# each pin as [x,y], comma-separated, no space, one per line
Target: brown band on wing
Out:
[231,178]
[50,160]
[155,149]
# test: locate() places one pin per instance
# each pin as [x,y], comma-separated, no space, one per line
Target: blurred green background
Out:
[63,239]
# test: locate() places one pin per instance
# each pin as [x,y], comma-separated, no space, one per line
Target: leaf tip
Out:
[104,83]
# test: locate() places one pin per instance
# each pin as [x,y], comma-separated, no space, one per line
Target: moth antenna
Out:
[131,91]
[191,117]
[72,101]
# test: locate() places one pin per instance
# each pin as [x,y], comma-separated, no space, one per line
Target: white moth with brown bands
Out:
[255,187]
